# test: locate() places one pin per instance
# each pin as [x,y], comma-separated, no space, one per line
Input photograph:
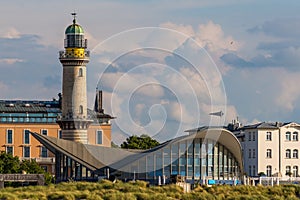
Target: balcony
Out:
[46,160]
[74,55]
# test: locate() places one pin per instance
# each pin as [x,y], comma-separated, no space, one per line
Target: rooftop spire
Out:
[74,14]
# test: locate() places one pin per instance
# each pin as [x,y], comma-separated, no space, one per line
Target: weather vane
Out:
[74,14]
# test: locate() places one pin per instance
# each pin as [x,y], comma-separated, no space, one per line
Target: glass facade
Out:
[197,159]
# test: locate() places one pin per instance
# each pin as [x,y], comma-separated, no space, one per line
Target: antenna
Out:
[74,14]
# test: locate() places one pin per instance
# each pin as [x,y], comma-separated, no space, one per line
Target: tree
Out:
[9,164]
[139,142]
[12,165]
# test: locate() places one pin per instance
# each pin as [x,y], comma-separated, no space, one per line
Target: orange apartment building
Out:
[17,118]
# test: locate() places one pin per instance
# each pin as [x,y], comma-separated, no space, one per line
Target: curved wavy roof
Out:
[95,157]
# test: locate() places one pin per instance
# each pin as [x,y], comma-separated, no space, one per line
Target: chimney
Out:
[100,109]
[98,102]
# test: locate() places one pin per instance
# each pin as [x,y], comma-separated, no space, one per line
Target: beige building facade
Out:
[271,149]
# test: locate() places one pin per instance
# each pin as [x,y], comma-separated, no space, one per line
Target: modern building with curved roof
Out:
[206,154]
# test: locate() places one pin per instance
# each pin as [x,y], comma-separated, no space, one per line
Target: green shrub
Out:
[61,195]
[8,196]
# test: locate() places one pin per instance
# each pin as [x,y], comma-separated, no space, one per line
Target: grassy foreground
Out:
[140,191]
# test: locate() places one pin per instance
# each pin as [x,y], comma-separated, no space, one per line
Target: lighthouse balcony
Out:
[74,54]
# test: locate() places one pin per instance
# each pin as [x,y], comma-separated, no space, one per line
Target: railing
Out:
[39,178]
[45,160]
[64,54]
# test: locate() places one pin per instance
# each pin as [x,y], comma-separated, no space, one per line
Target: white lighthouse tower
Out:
[74,121]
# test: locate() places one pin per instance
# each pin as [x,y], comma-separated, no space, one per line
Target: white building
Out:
[270,148]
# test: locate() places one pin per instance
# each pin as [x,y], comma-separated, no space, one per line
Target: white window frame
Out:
[24,151]
[269,153]
[97,136]
[295,136]
[12,149]
[269,170]
[288,169]
[288,136]
[12,136]
[269,136]
[24,136]
[295,153]
[295,171]
[44,130]
[59,133]
[288,153]
[41,149]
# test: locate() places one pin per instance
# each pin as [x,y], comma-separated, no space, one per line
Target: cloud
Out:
[282,28]
[30,68]
[236,61]
[11,33]
[10,61]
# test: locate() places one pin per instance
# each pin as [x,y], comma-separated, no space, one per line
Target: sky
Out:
[163,65]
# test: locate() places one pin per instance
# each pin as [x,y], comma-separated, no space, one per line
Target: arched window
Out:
[80,73]
[288,136]
[269,153]
[288,153]
[269,136]
[295,153]
[269,170]
[295,136]
[295,171]
[80,109]
[288,170]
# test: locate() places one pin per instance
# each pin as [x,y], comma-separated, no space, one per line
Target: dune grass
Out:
[139,190]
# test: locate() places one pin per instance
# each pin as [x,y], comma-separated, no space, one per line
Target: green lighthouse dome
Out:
[74,29]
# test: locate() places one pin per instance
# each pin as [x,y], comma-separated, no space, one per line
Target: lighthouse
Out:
[74,120]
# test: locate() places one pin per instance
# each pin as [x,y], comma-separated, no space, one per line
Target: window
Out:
[249,136]
[253,136]
[287,170]
[269,170]
[253,153]
[295,153]
[269,136]
[44,132]
[288,153]
[269,153]
[26,137]
[80,109]
[45,168]
[250,170]
[295,136]
[254,170]
[59,134]
[80,72]
[9,137]
[288,136]
[249,153]
[99,137]
[26,152]
[295,171]
[10,150]
[44,152]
